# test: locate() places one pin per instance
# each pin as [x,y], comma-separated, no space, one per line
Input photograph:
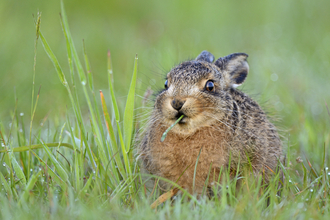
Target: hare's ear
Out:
[205,56]
[236,66]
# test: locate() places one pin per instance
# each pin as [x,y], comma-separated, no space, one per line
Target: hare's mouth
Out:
[183,120]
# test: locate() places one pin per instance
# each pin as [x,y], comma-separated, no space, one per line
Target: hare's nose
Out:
[177,104]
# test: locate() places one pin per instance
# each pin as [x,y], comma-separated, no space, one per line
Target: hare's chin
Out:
[184,129]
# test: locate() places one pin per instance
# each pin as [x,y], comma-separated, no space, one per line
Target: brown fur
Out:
[223,124]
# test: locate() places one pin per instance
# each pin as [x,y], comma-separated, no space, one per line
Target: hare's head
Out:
[198,89]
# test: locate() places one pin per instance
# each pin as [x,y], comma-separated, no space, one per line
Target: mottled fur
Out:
[223,124]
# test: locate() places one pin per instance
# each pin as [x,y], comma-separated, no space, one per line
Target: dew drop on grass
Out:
[94,171]
[4,164]
[20,130]
[311,190]
[2,145]
[31,170]
[274,77]
[21,114]
[83,83]
[326,168]
[329,174]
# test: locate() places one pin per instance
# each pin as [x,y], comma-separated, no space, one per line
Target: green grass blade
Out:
[112,93]
[4,184]
[6,157]
[38,146]
[35,57]
[64,82]
[77,168]
[79,67]
[123,150]
[114,145]
[60,137]
[129,109]
[76,109]
[100,147]
[88,69]
[305,176]
[69,52]
[82,78]
[17,130]
[52,173]
[60,170]
[195,170]
[167,130]
[32,117]
[91,86]
[18,170]
[34,69]
[53,58]
[29,187]
[87,185]
[77,159]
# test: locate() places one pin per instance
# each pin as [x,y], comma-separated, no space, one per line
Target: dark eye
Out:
[166,86]
[209,86]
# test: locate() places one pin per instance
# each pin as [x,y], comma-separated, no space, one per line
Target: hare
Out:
[221,126]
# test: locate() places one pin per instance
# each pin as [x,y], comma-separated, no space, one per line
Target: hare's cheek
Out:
[162,103]
[205,106]
[195,106]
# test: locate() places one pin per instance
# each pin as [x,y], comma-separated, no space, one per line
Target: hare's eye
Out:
[209,86]
[166,84]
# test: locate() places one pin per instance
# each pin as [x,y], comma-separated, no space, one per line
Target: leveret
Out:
[220,124]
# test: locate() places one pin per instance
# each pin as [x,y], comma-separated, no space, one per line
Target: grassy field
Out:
[66,149]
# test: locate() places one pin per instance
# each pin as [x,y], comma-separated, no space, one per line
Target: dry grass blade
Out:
[166,196]
[112,136]
[312,169]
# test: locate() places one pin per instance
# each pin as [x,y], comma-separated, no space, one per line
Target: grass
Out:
[86,168]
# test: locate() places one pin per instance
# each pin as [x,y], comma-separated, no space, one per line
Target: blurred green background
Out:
[288,43]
